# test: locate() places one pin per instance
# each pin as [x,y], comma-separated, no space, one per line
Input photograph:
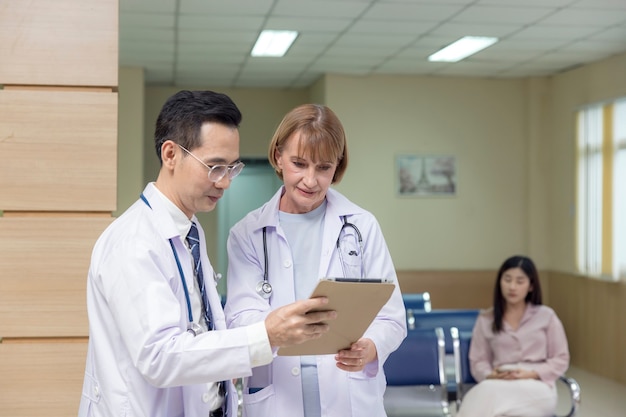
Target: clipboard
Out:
[357,302]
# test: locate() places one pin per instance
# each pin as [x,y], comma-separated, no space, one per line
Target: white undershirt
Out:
[304,234]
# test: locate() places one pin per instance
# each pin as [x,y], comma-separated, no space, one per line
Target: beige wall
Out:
[591,310]
[481,122]
[515,145]
[593,83]
[262,111]
[478,121]
[537,170]
[513,139]
[130,146]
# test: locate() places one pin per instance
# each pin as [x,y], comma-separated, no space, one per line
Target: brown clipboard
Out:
[357,303]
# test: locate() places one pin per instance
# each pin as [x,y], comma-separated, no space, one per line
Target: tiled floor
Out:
[600,397]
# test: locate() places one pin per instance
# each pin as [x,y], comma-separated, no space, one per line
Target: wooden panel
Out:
[60,42]
[592,313]
[61,149]
[451,289]
[41,378]
[43,274]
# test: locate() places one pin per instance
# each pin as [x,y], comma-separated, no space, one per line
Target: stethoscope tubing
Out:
[264,288]
[180,268]
[182,278]
[359,241]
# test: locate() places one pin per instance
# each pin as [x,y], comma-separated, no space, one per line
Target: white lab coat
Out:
[342,394]
[141,361]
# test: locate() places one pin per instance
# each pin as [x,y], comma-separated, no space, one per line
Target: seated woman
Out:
[518,349]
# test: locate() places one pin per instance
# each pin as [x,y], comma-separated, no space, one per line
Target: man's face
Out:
[193,191]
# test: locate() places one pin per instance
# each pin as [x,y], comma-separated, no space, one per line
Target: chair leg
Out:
[574,391]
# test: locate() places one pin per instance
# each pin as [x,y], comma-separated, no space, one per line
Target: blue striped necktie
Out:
[194,244]
[193,239]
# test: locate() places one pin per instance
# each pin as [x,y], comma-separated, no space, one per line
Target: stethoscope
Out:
[264,288]
[359,240]
[192,327]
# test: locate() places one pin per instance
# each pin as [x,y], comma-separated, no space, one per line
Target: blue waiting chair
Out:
[465,380]
[462,319]
[415,302]
[416,378]
[462,375]
[419,301]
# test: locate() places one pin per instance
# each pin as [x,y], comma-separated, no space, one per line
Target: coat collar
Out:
[171,224]
[337,206]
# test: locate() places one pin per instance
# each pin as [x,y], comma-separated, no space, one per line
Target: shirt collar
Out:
[181,222]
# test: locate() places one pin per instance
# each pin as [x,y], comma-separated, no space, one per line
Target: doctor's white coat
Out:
[141,361]
[342,394]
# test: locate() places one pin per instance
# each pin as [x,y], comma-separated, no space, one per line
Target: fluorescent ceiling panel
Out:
[464,47]
[274,43]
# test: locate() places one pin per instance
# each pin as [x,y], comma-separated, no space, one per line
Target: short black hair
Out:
[184,113]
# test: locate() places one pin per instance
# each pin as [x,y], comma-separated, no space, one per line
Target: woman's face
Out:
[515,285]
[306,181]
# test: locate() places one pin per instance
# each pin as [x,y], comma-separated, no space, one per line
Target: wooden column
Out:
[58,136]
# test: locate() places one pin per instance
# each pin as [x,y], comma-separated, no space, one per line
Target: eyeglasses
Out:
[217,172]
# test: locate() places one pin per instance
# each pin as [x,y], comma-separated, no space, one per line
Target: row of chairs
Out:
[430,369]
[427,318]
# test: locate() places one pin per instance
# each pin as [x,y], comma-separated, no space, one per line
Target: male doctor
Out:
[158,344]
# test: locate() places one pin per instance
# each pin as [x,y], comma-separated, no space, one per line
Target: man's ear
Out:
[169,150]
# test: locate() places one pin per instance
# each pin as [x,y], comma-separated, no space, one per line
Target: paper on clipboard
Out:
[357,303]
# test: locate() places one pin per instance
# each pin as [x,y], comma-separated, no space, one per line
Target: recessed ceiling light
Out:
[274,42]
[464,47]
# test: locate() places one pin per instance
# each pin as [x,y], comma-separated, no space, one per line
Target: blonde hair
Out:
[321,137]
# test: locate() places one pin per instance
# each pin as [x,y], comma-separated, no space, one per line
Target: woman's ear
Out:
[278,159]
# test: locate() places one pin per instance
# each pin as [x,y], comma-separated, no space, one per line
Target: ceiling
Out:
[208,42]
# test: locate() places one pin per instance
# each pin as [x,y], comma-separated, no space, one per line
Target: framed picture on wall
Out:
[425,175]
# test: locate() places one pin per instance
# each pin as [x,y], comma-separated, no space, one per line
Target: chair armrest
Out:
[456,352]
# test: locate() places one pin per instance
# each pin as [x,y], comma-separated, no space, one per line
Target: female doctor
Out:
[278,253]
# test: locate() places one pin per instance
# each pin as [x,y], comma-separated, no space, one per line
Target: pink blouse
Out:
[539,344]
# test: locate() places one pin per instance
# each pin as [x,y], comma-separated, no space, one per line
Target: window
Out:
[601,190]
[619,189]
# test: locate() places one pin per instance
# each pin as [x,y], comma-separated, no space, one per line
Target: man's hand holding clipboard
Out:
[357,302]
[298,322]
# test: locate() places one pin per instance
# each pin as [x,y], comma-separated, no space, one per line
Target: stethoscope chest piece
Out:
[264,289]
[194,328]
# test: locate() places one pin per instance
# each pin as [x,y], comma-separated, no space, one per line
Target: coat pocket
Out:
[259,403]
